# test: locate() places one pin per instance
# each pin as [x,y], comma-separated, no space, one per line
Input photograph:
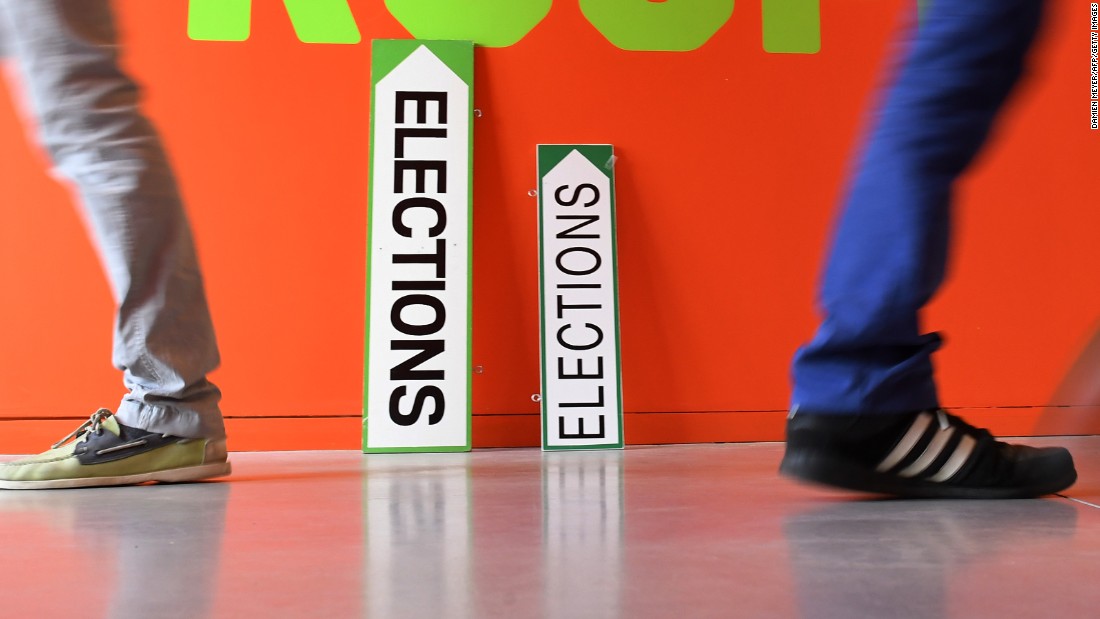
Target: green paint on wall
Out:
[315,21]
[492,23]
[673,25]
[792,26]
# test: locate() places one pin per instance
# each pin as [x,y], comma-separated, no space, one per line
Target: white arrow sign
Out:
[581,385]
[418,324]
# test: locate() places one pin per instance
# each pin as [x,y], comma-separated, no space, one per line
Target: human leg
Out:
[890,249]
[865,409]
[169,426]
[89,122]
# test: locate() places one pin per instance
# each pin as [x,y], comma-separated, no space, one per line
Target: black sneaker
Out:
[928,454]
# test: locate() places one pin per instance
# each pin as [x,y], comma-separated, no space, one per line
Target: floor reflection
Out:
[418,536]
[447,536]
[903,558]
[678,531]
[155,557]
[583,524]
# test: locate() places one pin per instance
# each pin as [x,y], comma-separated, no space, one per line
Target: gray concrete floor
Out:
[679,532]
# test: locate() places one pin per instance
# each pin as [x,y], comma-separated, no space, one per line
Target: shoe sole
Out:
[823,469]
[185,474]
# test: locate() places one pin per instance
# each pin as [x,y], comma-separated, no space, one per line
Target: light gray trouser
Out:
[89,122]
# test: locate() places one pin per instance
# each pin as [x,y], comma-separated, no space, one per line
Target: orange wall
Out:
[730,163]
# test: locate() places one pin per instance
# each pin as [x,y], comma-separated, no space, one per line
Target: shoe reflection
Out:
[899,558]
[125,552]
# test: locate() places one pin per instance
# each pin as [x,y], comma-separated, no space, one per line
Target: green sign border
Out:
[603,157]
[386,55]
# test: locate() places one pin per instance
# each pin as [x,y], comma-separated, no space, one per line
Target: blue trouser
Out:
[890,250]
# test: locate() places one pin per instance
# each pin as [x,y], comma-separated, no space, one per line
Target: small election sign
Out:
[417,370]
[581,379]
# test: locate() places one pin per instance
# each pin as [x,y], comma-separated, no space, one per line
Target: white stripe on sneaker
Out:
[941,438]
[956,461]
[907,443]
[935,448]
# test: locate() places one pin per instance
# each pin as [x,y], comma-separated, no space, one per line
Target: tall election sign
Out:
[581,380]
[417,370]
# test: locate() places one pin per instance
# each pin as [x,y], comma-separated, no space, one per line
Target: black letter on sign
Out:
[596,342]
[577,194]
[591,252]
[418,299]
[421,98]
[439,258]
[411,203]
[406,370]
[420,168]
[580,430]
[568,234]
[428,391]
[580,370]
[399,136]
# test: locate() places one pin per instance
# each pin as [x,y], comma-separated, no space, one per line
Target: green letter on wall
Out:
[315,21]
[671,25]
[493,23]
[792,26]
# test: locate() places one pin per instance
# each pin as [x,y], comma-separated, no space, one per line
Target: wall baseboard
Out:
[19,436]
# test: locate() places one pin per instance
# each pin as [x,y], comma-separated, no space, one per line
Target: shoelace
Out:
[92,425]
